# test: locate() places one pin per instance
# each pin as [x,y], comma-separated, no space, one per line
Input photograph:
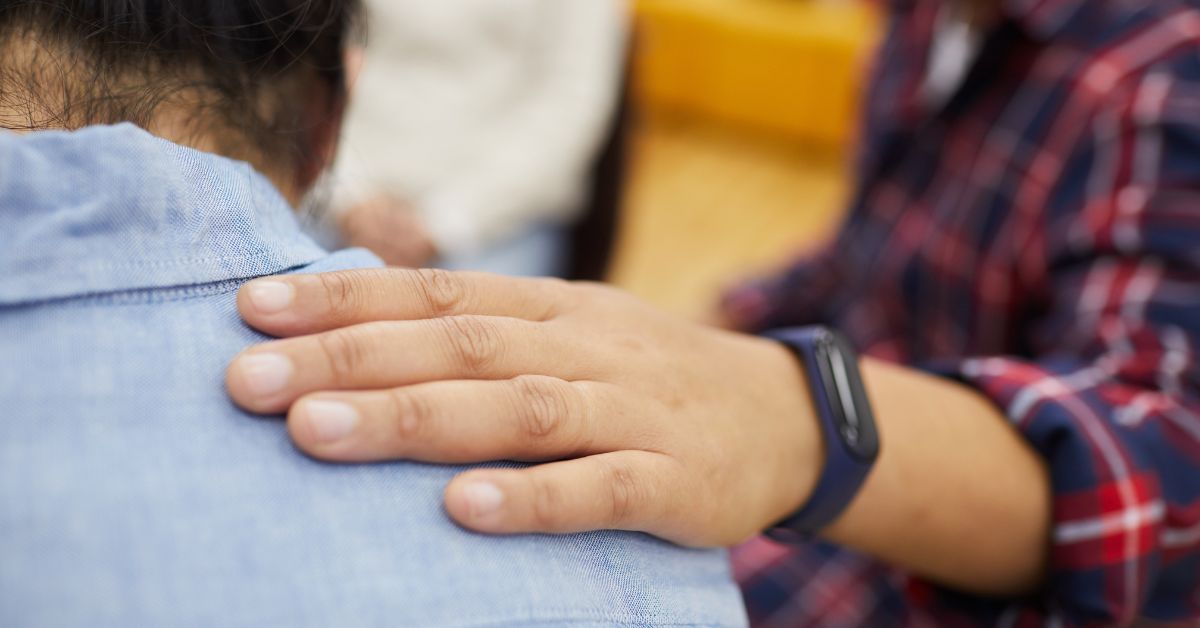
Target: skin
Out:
[390,228]
[648,422]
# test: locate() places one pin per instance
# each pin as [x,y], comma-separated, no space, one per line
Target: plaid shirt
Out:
[1038,238]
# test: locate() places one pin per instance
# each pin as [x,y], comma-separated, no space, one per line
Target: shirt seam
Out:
[613,618]
[136,296]
[265,252]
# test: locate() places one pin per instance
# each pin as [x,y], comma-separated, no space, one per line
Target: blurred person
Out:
[1020,445]
[132,493]
[502,107]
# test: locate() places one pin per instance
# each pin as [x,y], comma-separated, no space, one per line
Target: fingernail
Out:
[265,374]
[270,297]
[483,498]
[330,421]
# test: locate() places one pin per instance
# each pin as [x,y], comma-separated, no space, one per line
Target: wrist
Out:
[799,450]
[846,427]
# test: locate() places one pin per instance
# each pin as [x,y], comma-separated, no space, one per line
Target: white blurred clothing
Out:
[538,251]
[485,114]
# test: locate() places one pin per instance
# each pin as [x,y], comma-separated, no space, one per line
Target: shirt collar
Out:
[112,209]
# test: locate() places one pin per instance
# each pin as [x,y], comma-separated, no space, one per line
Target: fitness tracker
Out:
[847,427]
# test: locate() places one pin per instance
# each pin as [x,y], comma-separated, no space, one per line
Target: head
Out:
[259,80]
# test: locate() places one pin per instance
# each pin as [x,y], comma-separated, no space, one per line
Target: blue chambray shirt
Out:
[132,493]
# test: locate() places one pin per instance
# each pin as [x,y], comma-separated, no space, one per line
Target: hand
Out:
[650,423]
[391,229]
[655,424]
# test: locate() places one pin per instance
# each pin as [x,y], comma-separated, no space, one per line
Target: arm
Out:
[1108,393]
[950,467]
[534,161]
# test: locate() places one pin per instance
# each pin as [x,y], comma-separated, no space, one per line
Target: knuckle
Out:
[542,407]
[553,292]
[411,413]
[443,291]
[342,290]
[343,352]
[631,342]
[586,293]
[598,297]
[597,290]
[623,491]
[555,285]
[475,342]
[547,505]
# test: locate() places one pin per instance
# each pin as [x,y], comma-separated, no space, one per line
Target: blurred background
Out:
[742,137]
[671,147]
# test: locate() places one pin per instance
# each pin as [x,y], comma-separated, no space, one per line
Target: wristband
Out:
[851,441]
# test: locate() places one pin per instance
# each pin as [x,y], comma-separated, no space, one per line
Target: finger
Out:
[625,490]
[293,305]
[269,377]
[530,418]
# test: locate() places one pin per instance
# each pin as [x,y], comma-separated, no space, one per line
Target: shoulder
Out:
[345,259]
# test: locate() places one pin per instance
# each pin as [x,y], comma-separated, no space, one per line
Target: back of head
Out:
[258,80]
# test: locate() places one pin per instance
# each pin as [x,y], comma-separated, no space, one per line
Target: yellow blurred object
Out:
[708,205]
[792,67]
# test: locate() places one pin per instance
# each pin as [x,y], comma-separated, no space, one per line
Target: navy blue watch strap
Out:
[847,427]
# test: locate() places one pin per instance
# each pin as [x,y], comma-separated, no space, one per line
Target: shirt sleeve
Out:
[796,295]
[1111,394]
[532,165]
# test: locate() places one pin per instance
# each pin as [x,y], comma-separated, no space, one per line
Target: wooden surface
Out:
[708,204]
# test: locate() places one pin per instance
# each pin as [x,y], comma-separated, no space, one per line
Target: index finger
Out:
[293,305]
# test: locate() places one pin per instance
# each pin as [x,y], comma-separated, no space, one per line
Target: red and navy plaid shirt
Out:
[1037,237]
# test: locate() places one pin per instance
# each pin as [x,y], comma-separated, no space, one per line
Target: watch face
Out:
[847,397]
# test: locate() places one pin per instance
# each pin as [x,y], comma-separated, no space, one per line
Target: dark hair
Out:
[252,66]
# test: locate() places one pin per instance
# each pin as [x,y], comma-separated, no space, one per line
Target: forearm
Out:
[956,495]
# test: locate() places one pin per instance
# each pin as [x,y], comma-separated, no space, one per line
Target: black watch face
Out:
[838,366]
